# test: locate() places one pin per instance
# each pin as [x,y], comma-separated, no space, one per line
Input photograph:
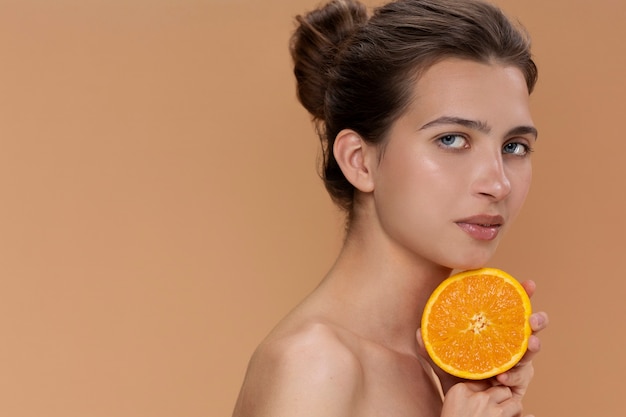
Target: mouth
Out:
[482,227]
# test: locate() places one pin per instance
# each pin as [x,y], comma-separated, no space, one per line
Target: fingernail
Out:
[536,320]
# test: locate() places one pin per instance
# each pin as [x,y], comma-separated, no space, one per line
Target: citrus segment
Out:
[475,324]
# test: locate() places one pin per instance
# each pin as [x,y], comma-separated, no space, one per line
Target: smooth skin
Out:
[437,197]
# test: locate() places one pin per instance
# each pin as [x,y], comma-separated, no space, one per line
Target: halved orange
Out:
[475,324]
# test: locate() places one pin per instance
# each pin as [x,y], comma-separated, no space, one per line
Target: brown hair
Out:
[357,72]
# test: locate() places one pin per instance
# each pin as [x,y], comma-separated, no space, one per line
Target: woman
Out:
[423,115]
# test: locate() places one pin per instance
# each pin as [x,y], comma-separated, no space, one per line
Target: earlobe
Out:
[353,156]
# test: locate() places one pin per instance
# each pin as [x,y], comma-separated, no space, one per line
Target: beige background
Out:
[160,209]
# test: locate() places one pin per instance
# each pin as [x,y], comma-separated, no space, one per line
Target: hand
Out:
[516,379]
[480,399]
[519,376]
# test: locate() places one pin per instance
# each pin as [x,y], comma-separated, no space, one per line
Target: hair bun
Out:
[314,47]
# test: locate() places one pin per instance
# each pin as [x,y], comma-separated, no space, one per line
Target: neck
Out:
[380,288]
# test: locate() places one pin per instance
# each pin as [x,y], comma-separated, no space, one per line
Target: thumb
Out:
[420,344]
[446,380]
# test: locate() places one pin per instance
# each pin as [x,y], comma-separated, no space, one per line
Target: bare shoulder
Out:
[305,371]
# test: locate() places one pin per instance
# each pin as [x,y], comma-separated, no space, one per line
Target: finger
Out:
[511,408]
[530,287]
[499,394]
[518,376]
[538,321]
[534,343]
[478,386]
[534,347]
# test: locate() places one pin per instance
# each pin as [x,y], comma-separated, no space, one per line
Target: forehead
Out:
[479,91]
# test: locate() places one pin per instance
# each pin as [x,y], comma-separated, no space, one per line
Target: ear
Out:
[355,157]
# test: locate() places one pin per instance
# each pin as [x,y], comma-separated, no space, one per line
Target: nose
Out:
[490,178]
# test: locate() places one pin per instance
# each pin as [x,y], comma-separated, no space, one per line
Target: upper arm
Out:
[311,373]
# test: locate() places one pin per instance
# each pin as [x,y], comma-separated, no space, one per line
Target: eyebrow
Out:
[523,130]
[479,125]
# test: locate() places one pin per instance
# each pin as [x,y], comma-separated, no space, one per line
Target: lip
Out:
[482,227]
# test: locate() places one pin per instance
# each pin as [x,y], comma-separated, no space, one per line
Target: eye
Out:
[453,141]
[516,148]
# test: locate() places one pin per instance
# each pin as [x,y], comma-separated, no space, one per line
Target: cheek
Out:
[421,175]
[421,185]
[520,188]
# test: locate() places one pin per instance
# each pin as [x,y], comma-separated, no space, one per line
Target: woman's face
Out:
[456,168]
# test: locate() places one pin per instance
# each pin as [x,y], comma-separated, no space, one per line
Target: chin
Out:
[475,260]
[469,266]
